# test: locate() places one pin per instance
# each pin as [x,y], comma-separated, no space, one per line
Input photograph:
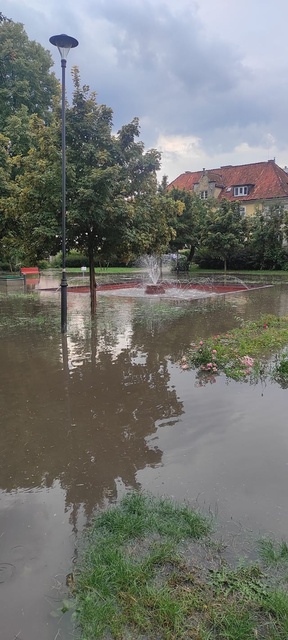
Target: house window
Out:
[241,191]
[204,195]
[242,211]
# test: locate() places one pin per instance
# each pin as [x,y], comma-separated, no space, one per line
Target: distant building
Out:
[253,185]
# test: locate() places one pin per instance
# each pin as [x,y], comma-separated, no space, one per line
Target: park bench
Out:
[31,275]
[29,271]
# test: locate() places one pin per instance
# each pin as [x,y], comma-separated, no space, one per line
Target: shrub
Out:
[181,264]
[73,259]
[4,266]
[204,260]
[43,264]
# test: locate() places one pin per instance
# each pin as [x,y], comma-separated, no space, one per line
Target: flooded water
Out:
[86,418]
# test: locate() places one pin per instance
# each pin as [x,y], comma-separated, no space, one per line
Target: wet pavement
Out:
[86,418]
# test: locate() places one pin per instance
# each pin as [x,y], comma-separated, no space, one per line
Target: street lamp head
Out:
[64,43]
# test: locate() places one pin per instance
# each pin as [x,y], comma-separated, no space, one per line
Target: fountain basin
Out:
[154,289]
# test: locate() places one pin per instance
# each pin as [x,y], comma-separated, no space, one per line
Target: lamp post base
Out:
[64,285]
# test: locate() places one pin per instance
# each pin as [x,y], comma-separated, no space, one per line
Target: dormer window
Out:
[204,195]
[241,191]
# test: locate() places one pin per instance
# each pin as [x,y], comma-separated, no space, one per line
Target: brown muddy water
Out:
[109,409]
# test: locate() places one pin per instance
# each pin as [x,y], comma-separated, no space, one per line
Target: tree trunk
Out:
[191,253]
[92,282]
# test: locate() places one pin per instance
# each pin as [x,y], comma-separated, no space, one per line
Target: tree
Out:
[37,191]
[223,231]
[25,76]
[151,228]
[10,245]
[268,230]
[191,216]
[27,87]
[107,179]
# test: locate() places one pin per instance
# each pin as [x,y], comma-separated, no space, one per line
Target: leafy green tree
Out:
[107,179]
[9,221]
[17,129]
[35,197]
[25,76]
[268,231]
[4,19]
[152,226]
[92,176]
[163,186]
[27,87]
[191,216]
[223,231]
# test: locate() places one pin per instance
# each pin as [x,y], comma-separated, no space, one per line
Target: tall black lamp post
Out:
[64,43]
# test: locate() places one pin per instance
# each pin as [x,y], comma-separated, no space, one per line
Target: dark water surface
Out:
[84,419]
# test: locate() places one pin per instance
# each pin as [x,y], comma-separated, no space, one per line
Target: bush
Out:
[4,266]
[181,264]
[204,260]
[43,264]
[245,258]
[73,259]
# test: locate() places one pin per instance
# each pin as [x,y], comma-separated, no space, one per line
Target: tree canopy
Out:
[25,76]
[223,231]
[108,178]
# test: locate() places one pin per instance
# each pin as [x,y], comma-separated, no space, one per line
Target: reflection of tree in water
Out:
[171,325]
[86,426]
[117,402]
[165,329]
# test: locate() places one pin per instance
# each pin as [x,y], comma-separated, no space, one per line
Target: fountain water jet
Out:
[152,264]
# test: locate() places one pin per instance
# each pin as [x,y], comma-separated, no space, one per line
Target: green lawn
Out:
[193,271]
[108,270]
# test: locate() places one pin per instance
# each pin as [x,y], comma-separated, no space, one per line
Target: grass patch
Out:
[136,580]
[242,272]
[273,552]
[242,352]
[102,270]
[128,579]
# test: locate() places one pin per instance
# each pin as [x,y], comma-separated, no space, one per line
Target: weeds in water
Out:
[135,582]
[25,312]
[280,371]
[273,552]
[241,353]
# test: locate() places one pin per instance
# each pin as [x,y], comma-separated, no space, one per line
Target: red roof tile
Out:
[266,180]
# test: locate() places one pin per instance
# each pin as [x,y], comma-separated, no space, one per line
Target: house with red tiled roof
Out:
[253,185]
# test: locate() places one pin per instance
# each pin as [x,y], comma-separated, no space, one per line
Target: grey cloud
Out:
[154,60]
[167,71]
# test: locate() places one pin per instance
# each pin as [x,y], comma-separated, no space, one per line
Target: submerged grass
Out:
[273,552]
[244,351]
[135,580]
[24,311]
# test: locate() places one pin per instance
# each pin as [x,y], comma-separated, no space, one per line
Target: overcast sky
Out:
[208,79]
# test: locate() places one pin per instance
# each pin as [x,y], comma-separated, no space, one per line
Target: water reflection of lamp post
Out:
[64,43]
